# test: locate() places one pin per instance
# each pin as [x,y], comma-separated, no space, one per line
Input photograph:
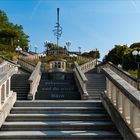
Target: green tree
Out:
[10,33]
[92,54]
[116,55]
[135,45]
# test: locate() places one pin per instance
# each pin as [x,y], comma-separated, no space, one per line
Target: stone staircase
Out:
[95,85]
[51,88]
[59,120]
[20,84]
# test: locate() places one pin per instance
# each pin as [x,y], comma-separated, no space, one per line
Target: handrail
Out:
[7,97]
[81,81]
[125,98]
[34,80]
[125,75]
[26,65]
[5,65]
[88,66]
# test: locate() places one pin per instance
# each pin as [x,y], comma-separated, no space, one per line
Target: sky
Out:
[88,24]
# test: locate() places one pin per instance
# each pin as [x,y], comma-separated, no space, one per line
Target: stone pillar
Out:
[3,93]
[0,96]
[126,110]
[134,118]
[8,87]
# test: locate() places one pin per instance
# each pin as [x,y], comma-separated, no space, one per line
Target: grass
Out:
[133,72]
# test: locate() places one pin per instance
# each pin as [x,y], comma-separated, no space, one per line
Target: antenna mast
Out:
[57,29]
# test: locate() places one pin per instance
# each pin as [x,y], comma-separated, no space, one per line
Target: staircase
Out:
[58,120]
[96,85]
[20,84]
[57,87]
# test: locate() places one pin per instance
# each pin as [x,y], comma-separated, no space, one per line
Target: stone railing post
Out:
[81,81]
[34,80]
[7,97]
[125,99]
[88,66]
[26,65]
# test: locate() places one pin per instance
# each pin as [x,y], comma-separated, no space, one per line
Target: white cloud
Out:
[35,8]
[135,6]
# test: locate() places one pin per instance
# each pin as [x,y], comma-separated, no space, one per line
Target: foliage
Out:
[52,46]
[10,33]
[116,54]
[133,72]
[135,45]
[10,55]
[91,54]
[123,55]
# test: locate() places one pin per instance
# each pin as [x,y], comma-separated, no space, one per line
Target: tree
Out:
[92,54]
[123,55]
[10,33]
[135,45]
[116,55]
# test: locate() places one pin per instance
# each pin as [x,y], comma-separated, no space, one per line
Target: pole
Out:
[57,24]
[138,71]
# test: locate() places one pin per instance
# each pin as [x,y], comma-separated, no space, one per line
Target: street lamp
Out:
[18,49]
[135,53]
[68,43]
[35,48]
[79,49]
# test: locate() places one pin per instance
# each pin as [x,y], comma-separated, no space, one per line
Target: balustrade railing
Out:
[81,81]
[7,97]
[34,81]
[26,65]
[125,75]
[6,64]
[88,66]
[125,98]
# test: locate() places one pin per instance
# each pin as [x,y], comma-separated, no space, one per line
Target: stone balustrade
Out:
[84,58]
[5,65]
[7,97]
[81,81]
[26,65]
[88,66]
[125,75]
[126,100]
[34,81]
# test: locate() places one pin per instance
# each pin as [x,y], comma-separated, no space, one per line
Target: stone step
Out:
[58,95]
[26,83]
[21,90]
[61,125]
[94,98]
[42,110]
[95,89]
[58,117]
[60,135]
[63,103]
[62,88]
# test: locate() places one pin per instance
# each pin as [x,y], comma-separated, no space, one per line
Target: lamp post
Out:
[18,49]
[136,53]
[79,49]
[68,43]
[36,47]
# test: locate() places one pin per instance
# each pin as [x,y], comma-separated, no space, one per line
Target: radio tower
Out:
[57,29]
